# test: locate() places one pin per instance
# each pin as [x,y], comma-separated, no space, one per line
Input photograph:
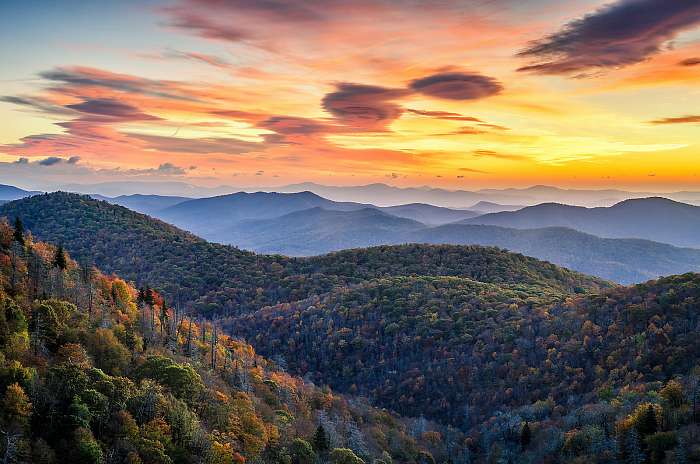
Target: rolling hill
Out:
[316,231]
[147,204]
[502,357]
[657,219]
[625,261]
[10,192]
[218,218]
[458,350]
[214,278]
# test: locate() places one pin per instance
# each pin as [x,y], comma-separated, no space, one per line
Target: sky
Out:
[459,94]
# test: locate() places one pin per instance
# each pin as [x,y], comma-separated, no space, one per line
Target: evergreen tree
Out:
[19,231]
[59,259]
[320,440]
[647,423]
[525,436]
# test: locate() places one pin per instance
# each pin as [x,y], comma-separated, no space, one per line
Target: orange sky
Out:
[458,94]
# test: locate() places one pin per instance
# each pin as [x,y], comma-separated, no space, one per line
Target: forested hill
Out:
[218,278]
[94,371]
[507,359]
[464,352]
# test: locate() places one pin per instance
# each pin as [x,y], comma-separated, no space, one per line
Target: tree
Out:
[320,440]
[18,234]
[345,456]
[302,453]
[16,407]
[647,422]
[525,436]
[59,259]
[633,449]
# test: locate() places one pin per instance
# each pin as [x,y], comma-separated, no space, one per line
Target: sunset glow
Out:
[458,94]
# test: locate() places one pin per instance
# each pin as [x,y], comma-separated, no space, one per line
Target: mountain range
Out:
[304,224]
[477,354]
[381,194]
[655,218]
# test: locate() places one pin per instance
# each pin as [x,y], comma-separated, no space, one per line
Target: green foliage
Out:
[182,380]
[344,456]
[301,452]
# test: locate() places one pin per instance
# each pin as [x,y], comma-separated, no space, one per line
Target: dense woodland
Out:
[93,370]
[480,355]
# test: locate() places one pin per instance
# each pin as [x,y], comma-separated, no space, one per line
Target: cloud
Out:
[457,86]
[496,154]
[50,161]
[493,126]
[205,145]
[109,108]
[475,171]
[694,61]
[678,120]
[464,130]
[80,76]
[444,115]
[361,106]
[205,58]
[619,34]
[169,169]
[292,125]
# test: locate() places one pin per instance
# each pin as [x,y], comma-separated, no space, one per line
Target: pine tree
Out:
[19,231]
[320,440]
[59,259]
[647,423]
[525,436]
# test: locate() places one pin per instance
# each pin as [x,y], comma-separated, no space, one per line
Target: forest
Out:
[393,354]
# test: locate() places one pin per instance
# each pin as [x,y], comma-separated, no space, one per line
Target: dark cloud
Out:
[89,77]
[444,115]
[616,35]
[364,106]
[679,120]
[690,61]
[51,160]
[457,86]
[207,145]
[292,125]
[36,103]
[109,108]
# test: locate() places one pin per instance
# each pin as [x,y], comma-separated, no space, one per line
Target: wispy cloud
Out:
[689,119]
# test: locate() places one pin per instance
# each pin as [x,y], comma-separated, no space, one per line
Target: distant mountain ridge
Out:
[386,195]
[10,192]
[654,218]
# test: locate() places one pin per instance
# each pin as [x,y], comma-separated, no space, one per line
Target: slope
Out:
[218,278]
[625,261]
[656,219]
[457,350]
